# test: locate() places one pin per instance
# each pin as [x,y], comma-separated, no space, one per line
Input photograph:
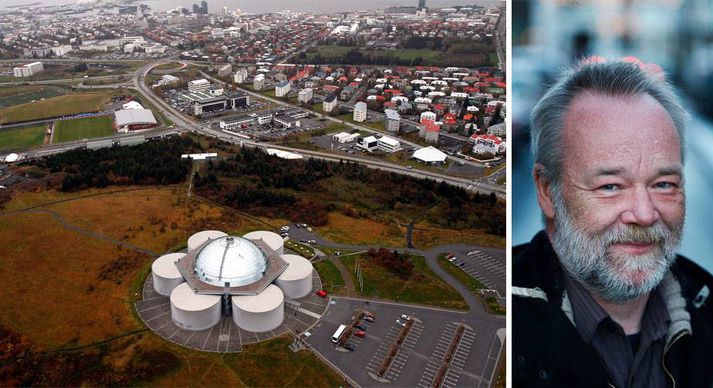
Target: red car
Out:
[322,293]
[360,333]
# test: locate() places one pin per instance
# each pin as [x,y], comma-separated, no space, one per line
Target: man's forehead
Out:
[602,129]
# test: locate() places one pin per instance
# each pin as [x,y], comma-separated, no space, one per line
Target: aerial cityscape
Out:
[199,194]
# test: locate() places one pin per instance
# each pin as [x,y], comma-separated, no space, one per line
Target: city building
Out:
[205,101]
[428,116]
[198,85]
[237,122]
[392,120]
[259,82]
[287,121]
[369,143]
[487,144]
[359,112]
[28,70]
[305,95]
[225,70]
[344,137]
[240,76]
[329,103]
[133,119]
[282,88]
[388,144]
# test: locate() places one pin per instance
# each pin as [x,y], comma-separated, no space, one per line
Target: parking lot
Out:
[484,264]
[422,344]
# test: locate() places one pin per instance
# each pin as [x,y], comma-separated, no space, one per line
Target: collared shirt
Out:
[626,367]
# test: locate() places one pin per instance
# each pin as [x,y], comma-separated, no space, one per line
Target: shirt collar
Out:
[589,315]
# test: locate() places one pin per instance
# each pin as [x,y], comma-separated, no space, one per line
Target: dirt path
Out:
[346,275]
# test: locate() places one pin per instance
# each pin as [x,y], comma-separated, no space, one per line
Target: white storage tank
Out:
[199,238]
[296,281]
[259,313]
[192,311]
[272,239]
[165,273]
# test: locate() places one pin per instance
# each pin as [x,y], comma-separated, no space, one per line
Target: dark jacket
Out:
[549,352]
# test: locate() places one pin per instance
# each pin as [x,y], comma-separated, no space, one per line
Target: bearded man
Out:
[600,298]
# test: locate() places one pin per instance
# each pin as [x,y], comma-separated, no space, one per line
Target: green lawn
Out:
[332,280]
[85,128]
[55,107]
[16,95]
[24,137]
[423,287]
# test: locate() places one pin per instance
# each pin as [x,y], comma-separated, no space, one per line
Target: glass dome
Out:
[230,261]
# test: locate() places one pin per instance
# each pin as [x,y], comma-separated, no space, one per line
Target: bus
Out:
[338,334]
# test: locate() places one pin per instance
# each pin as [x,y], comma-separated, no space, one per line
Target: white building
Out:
[28,70]
[282,88]
[388,144]
[392,120]
[61,51]
[360,112]
[344,137]
[428,116]
[305,95]
[198,85]
[240,76]
[259,82]
[329,103]
[225,70]
[369,143]
[487,144]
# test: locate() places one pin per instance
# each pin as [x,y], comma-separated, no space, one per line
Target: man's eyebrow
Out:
[605,171]
[673,170]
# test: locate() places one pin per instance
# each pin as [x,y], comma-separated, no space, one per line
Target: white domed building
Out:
[247,278]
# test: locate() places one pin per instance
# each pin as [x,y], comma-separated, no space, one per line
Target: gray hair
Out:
[609,78]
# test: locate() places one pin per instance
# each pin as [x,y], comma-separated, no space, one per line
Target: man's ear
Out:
[542,185]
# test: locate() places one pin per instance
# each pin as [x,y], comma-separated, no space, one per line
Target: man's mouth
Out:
[634,247]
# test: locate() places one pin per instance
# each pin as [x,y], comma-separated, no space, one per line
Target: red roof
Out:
[468,117]
[495,139]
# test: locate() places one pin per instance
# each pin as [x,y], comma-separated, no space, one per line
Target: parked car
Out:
[350,347]
[322,293]
[369,319]
[400,323]
[360,333]
[311,242]
[405,317]
[360,327]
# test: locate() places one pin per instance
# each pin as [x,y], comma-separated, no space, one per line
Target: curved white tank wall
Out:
[199,238]
[191,311]
[272,239]
[165,273]
[259,313]
[296,281]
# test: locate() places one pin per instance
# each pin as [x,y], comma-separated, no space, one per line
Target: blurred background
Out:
[549,35]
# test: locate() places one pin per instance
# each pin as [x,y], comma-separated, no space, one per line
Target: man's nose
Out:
[641,209]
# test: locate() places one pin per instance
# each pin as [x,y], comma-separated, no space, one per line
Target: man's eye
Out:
[609,187]
[665,185]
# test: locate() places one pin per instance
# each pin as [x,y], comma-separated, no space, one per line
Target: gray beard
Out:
[587,258]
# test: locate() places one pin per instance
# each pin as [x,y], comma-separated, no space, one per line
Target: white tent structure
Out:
[429,155]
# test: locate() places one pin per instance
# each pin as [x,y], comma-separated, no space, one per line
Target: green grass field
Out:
[332,280]
[77,129]
[423,287]
[16,95]
[24,137]
[54,107]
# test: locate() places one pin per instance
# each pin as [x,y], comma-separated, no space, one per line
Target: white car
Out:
[405,317]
